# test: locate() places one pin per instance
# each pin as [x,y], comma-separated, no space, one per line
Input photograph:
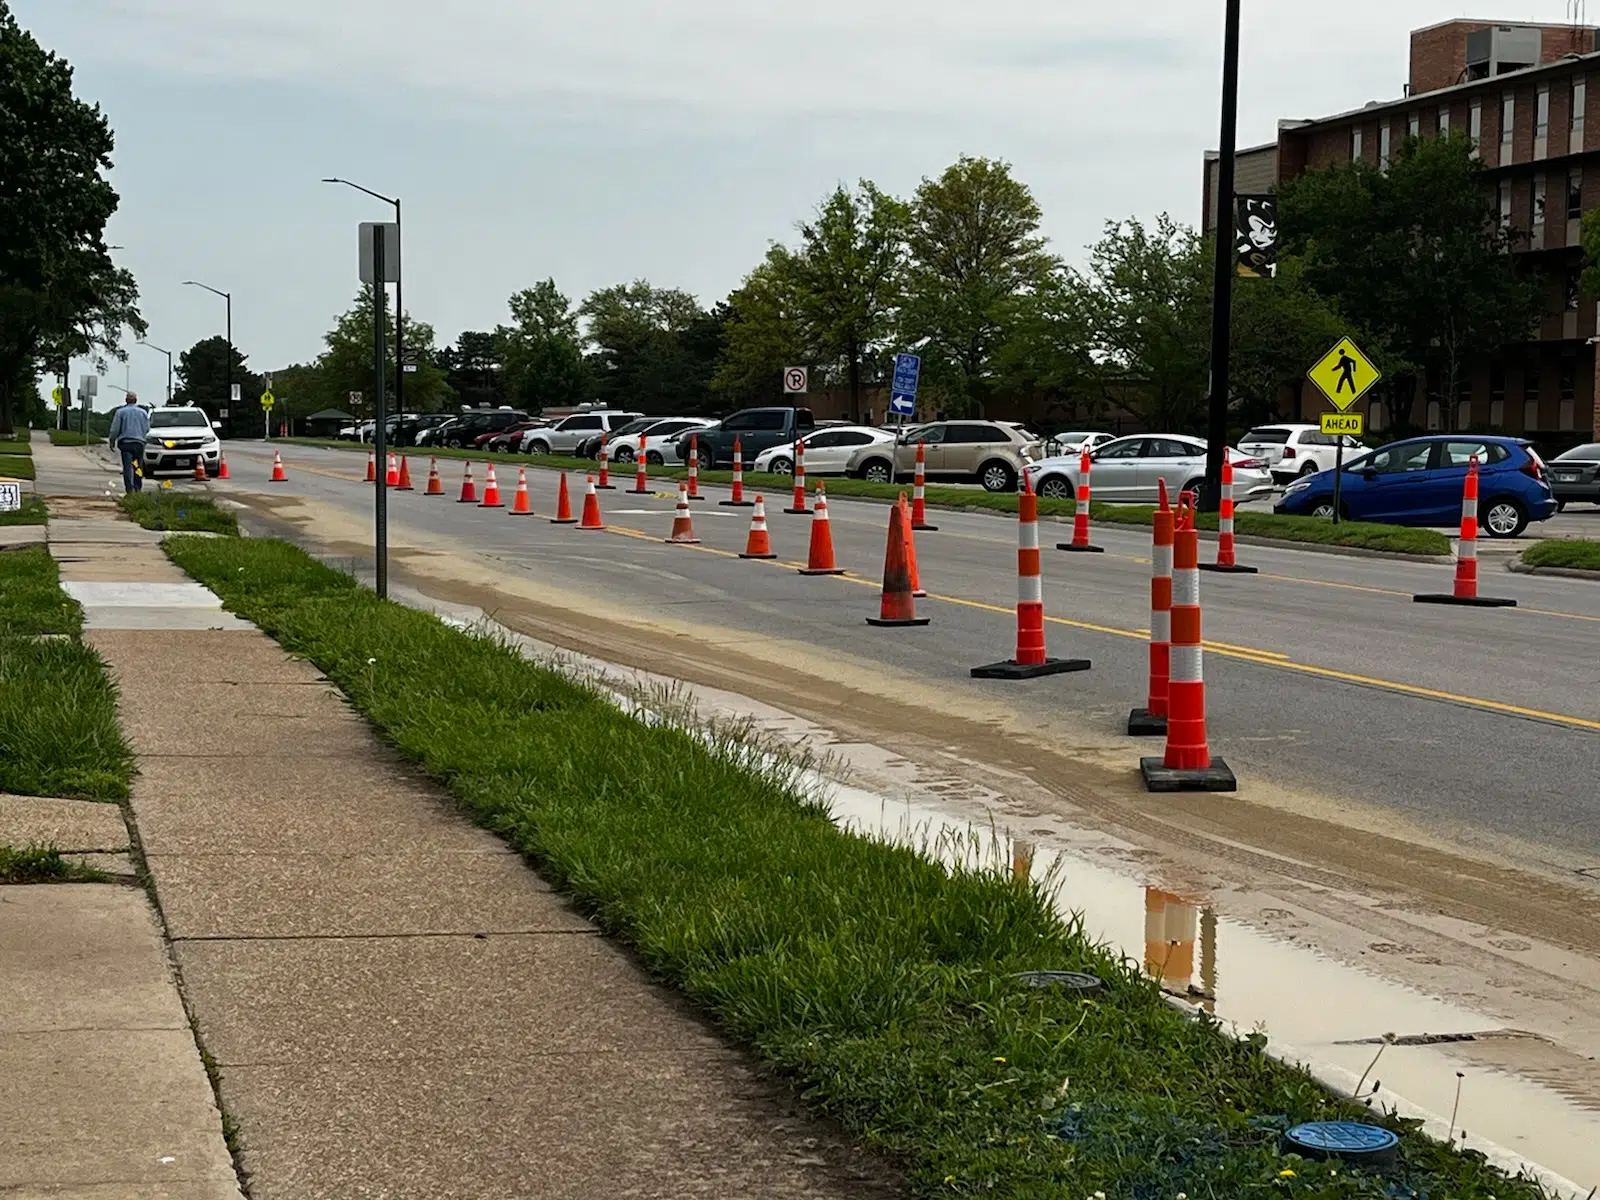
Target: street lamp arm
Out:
[368,191]
[208,287]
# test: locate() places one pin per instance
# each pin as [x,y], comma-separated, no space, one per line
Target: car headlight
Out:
[1298,485]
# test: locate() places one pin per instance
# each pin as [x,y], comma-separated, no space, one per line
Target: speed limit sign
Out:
[795,380]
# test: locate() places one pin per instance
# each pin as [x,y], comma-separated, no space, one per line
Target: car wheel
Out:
[1503,518]
[1195,486]
[1323,511]
[1053,487]
[708,459]
[538,447]
[623,454]
[877,471]
[653,458]
[781,466]
[1309,469]
[997,477]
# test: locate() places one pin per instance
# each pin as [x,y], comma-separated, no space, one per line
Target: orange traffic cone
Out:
[911,550]
[1187,765]
[641,476]
[563,505]
[694,467]
[469,489]
[1080,515]
[403,484]
[682,522]
[372,467]
[222,467]
[591,507]
[1151,720]
[759,544]
[491,489]
[1227,558]
[1466,588]
[799,505]
[897,606]
[391,474]
[919,503]
[737,500]
[820,559]
[604,455]
[199,468]
[1030,660]
[278,473]
[435,485]
[519,502]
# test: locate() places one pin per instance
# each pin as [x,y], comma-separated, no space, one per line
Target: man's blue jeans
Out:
[132,452]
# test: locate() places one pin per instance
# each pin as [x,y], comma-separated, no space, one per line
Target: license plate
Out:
[1567,478]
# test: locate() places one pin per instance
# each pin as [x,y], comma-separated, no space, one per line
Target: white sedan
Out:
[1128,470]
[827,450]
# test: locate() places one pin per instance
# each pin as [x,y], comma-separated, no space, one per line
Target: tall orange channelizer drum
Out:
[1466,588]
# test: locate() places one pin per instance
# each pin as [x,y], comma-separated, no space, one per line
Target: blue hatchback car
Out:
[1419,482]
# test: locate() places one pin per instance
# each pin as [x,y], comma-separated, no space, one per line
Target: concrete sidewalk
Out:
[396,1004]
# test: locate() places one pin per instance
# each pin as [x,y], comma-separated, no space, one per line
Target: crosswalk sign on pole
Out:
[1344,374]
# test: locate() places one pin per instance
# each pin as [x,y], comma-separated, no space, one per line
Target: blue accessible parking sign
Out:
[903,393]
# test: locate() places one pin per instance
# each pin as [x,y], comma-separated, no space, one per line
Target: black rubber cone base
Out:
[758,556]
[879,621]
[553,520]
[640,492]
[1158,777]
[820,571]
[1071,549]
[799,512]
[1143,723]
[736,503]
[605,487]
[1012,669]
[926,528]
[1474,602]
[1233,570]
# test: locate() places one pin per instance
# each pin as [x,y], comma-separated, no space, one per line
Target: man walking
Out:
[129,428]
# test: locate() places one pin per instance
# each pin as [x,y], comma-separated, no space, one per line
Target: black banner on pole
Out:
[1255,235]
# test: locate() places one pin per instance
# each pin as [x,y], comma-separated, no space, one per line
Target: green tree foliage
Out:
[201,377]
[60,293]
[1280,327]
[764,334]
[653,348]
[1415,258]
[974,249]
[847,279]
[346,365]
[542,350]
[474,368]
[1049,348]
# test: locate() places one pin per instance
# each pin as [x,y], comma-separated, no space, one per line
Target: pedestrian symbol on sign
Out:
[1344,374]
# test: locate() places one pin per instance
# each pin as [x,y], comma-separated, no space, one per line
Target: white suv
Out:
[563,437]
[1293,451]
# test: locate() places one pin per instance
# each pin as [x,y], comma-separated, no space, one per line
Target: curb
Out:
[1522,568]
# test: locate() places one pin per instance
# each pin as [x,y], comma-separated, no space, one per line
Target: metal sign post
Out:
[373,272]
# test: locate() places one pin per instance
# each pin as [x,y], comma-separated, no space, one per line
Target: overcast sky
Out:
[599,141]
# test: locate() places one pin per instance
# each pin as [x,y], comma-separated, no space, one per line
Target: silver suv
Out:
[992,453]
[179,436]
[563,437]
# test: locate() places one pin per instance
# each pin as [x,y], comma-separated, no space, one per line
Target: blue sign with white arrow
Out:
[903,392]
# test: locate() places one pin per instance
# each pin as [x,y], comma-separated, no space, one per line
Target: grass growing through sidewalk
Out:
[1573,554]
[58,722]
[32,512]
[879,981]
[73,437]
[31,600]
[43,864]
[16,466]
[180,511]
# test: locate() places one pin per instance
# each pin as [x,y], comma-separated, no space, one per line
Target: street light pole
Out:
[399,296]
[168,353]
[228,299]
[1222,279]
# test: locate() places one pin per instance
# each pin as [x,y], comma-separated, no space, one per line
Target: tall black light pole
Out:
[1222,280]
[168,353]
[392,252]
[227,296]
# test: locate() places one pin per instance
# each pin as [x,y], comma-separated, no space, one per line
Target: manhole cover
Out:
[1348,1140]
[1075,981]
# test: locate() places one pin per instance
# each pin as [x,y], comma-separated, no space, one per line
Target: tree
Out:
[974,248]
[202,376]
[542,350]
[1280,327]
[347,364]
[763,333]
[1049,347]
[847,279]
[59,291]
[648,353]
[1416,258]
[474,367]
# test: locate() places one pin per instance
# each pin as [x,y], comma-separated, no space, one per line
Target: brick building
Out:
[1524,94]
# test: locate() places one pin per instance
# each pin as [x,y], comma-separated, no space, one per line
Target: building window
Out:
[1433,416]
[1475,123]
[1569,391]
[1377,415]
[1497,396]
[1444,122]
[1413,124]
[1383,146]
[1541,125]
[1530,397]
[1508,124]
[1355,144]
[1505,204]
[1463,404]
[1574,194]
[1536,195]
[1580,102]
[1574,275]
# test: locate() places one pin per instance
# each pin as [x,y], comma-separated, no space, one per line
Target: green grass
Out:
[878,981]
[1577,554]
[72,437]
[58,722]
[16,466]
[178,511]
[1390,539]
[32,512]
[15,448]
[31,600]
[43,864]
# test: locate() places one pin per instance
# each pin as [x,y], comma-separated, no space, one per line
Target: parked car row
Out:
[1131,470]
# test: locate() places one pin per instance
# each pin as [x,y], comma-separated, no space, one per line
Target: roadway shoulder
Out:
[1522,568]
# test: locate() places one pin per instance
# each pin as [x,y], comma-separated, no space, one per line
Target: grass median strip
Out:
[1389,539]
[1573,554]
[178,511]
[16,466]
[880,982]
[32,512]
[31,599]
[58,722]
[73,437]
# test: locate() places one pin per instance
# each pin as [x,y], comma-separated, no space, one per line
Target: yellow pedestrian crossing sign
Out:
[268,400]
[59,395]
[1344,374]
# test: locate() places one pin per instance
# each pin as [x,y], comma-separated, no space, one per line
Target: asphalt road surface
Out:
[1323,676]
